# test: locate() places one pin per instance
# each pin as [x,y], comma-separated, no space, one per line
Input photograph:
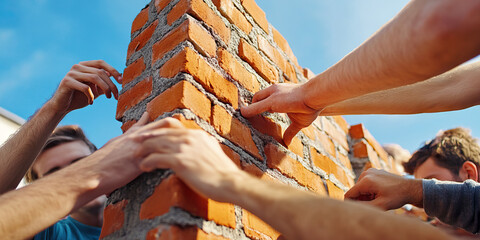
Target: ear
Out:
[469,170]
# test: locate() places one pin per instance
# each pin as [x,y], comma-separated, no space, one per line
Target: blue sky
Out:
[41,39]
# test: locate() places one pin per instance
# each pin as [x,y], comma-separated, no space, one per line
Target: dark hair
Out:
[61,135]
[449,150]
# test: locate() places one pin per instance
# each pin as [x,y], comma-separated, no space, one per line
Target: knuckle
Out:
[76,66]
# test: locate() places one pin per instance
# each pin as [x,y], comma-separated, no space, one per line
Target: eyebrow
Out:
[58,168]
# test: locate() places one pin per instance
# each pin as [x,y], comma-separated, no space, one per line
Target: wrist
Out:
[52,108]
[313,94]
[414,191]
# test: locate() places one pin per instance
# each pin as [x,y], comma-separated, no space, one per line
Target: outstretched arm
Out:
[82,84]
[427,38]
[294,213]
[454,90]
[29,210]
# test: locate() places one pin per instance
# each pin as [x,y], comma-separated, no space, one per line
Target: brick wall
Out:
[198,61]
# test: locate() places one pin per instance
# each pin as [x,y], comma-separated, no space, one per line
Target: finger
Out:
[94,79]
[256,108]
[354,192]
[167,133]
[378,202]
[81,87]
[143,120]
[157,160]
[104,75]
[262,94]
[105,66]
[164,123]
[291,132]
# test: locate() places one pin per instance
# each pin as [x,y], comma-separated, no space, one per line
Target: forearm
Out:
[453,90]
[314,217]
[29,210]
[453,203]
[19,152]
[425,39]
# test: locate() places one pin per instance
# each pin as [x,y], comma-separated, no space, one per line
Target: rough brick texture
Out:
[198,61]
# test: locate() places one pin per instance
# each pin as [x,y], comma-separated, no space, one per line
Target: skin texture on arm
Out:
[454,90]
[29,210]
[294,213]
[81,85]
[427,38]
[385,190]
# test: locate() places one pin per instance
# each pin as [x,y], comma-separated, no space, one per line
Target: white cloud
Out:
[23,72]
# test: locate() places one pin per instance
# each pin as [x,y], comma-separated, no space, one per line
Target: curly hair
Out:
[449,150]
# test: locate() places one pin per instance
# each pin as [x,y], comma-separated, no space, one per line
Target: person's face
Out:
[60,156]
[429,169]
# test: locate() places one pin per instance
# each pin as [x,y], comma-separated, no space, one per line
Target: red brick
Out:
[128,125]
[334,191]
[133,71]
[142,39]
[373,157]
[234,130]
[360,150]
[161,4]
[228,10]
[343,177]
[326,143]
[267,126]
[190,124]
[345,161]
[190,62]
[277,58]
[165,232]
[253,170]
[296,146]
[342,123]
[322,162]
[308,74]
[113,218]
[237,71]
[221,213]
[359,131]
[172,192]
[133,96]
[200,10]
[293,169]
[257,13]
[188,30]
[255,228]
[263,68]
[338,136]
[356,131]
[232,154]
[363,150]
[181,95]
[283,44]
[140,20]
[311,132]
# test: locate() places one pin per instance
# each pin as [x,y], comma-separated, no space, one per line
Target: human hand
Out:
[283,98]
[116,163]
[195,156]
[83,84]
[385,190]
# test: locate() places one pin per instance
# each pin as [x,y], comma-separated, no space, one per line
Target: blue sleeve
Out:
[456,204]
